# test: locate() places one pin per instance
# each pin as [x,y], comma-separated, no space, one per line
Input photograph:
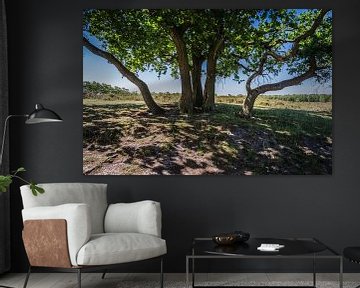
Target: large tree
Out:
[186,42]
[199,45]
[197,37]
[296,42]
[200,37]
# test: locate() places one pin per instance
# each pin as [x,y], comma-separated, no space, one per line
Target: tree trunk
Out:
[253,93]
[148,99]
[209,89]
[144,89]
[198,97]
[248,105]
[186,101]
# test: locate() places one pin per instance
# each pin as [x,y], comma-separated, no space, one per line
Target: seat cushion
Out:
[114,248]
[137,217]
[352,253]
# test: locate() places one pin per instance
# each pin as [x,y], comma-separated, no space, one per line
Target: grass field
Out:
[120,137]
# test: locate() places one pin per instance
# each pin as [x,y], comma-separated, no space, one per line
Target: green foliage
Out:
[132,36]
[94,88]
[276,31]
[6,180]
[36,189]
[20,169]
[140,38]
[302,97]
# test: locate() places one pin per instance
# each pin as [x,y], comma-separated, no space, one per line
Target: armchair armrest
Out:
[78,225]
[138,217]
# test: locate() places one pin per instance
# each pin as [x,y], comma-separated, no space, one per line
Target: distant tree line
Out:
[303,97]
[103,91]
[94,88]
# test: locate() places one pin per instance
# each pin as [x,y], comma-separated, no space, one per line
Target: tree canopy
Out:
[254,46]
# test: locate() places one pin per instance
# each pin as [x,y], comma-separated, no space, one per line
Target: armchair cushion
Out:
[113,248]
[77,218]
[92,194]
[138,217]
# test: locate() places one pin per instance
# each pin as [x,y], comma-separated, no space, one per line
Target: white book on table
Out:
[270,247]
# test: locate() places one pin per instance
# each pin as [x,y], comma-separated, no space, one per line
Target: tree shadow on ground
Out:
[275,141]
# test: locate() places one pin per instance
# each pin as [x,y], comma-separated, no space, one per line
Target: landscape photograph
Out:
[207,92]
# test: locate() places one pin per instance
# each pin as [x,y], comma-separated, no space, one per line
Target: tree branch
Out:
[311,72]
[237,57]
[144,89]
[296,42]
[291,53]
[256,73]
[247,69]
[111,58]
[215,48]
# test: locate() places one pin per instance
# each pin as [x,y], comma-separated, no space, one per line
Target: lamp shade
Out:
[42,115]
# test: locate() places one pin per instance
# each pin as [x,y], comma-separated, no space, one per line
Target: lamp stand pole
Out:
[4,135]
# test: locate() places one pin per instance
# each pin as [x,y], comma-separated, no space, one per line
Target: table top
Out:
[292,247]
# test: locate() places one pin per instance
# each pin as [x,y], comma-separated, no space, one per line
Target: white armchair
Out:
[72,228]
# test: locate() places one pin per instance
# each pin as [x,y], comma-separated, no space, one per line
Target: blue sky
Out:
[98,69]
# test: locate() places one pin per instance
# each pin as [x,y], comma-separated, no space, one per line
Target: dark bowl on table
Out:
[231,238]
[225,239]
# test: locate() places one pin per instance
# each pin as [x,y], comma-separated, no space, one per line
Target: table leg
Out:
[193,272]
[314,271]
[193,267]
[341,273]
[187,272]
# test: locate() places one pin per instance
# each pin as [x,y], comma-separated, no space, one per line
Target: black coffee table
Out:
[295,248]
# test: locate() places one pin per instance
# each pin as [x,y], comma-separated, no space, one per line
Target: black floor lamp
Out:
[39,115]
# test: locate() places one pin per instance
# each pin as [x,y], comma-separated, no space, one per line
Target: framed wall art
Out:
[207,91]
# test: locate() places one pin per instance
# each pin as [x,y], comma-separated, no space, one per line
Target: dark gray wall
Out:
[46,66]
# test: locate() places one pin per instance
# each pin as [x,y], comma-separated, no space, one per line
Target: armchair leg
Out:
[103,275]
[79,277]
[161,273]
[27,277]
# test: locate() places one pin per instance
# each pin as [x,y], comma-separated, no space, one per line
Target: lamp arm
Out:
[4,134]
